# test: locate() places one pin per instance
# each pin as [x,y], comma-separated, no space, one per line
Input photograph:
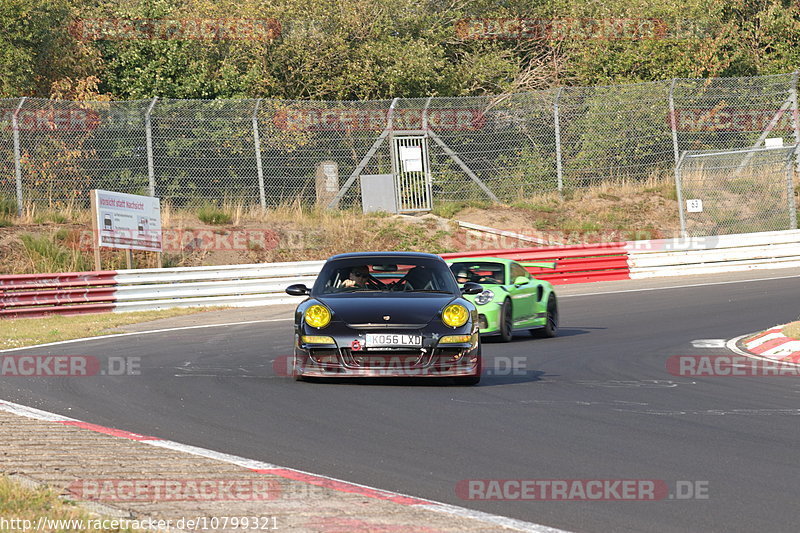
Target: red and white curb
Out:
[286,473]
[773,344]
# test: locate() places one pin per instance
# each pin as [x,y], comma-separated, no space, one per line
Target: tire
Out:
[467,380]
[506,321]
[550,328]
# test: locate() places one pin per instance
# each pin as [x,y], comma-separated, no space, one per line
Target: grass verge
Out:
[214,215]
[47,253]
[19,332]
[792,330]
[20,503]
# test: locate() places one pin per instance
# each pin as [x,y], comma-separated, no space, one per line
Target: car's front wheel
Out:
[550,328]
[506,321]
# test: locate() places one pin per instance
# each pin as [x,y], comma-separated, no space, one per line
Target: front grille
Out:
[324,356]
[386,326]
[385,358]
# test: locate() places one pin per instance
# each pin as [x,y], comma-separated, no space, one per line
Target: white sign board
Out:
[773,142]
[411,156]
[694,206]
[331,172]
[127,221]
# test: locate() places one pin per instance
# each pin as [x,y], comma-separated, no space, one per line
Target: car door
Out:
[523,296]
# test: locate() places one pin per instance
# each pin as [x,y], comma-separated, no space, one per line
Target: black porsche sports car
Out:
[387,314]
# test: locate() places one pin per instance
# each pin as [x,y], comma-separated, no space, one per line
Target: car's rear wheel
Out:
[506,321]
[550,328]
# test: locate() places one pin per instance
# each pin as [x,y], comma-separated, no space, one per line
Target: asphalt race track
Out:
[595,403]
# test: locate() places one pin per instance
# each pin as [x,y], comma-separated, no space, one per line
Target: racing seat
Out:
[417,279]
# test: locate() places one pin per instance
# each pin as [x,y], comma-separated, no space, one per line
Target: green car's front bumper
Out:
[488,317]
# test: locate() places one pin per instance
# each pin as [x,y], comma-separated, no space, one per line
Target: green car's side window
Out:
[518,270]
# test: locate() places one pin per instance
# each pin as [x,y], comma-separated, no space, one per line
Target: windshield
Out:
[480,272]
[385,274]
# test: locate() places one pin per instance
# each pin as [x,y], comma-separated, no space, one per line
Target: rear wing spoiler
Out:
[551,264]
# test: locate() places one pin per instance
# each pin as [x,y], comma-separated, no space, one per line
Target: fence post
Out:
[557,123]
[148,130]
[679,194]
[673,123]
[795,118]
[672,120]
[17,155]
[790,190]
[257,143]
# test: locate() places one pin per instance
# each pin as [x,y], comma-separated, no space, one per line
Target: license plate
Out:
[393,339]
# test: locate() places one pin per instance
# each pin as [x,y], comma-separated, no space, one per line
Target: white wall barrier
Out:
[708,255]
[230,285]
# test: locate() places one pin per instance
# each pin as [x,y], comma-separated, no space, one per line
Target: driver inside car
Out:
[360,278]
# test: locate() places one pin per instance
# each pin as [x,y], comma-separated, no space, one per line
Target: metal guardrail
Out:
[574,264]
[151,289]
[35,295]
[708,255]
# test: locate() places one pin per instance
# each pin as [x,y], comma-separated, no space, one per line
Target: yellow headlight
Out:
[316,339]
[455,339]
[455,315]
[317,316]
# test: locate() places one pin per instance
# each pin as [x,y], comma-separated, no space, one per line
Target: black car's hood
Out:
[372,308]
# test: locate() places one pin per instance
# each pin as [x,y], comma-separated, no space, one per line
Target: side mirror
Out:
[520,281]
[297,289]
[471,287]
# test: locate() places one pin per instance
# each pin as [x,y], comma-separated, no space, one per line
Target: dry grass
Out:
[60,213]
[626,210]
[18,502]
[792,330]
[19,332]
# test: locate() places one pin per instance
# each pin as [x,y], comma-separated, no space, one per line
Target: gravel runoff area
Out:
[123,475]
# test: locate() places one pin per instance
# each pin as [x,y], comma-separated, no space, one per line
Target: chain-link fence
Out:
[736,191]
[500,148]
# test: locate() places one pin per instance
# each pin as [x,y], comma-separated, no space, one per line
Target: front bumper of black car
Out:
[350,356]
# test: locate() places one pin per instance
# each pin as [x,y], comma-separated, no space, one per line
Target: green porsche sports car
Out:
[512,299]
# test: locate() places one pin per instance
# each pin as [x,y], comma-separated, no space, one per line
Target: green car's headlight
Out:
[317,316]
[455,315]
[485,297]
